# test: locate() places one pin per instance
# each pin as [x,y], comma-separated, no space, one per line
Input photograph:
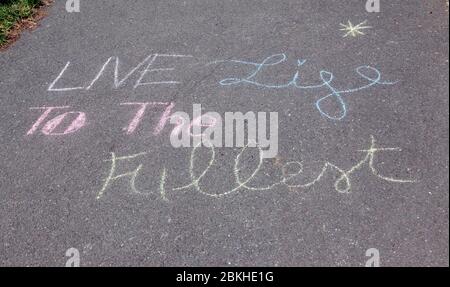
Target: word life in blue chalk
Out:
[371,74]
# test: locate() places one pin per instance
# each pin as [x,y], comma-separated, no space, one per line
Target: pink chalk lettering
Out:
[76,124]
[141,112]
[42,118]
[165,117]
[180,124]
[138,117]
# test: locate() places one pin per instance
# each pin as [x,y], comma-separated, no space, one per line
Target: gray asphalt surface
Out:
[49,184]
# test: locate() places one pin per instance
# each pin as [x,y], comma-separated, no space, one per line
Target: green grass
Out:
[12,11]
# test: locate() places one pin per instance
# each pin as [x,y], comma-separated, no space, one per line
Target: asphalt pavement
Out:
[86,160]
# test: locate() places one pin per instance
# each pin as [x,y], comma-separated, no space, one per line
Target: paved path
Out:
[67,181]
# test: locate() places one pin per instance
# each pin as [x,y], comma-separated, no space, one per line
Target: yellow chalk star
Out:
[354,31]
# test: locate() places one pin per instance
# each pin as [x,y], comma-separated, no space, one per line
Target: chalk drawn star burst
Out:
[354,31]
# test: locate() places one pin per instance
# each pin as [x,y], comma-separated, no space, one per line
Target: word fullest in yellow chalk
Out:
[290,171]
